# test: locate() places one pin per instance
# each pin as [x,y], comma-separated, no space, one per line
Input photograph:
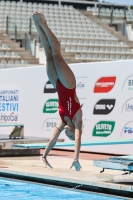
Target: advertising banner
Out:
[105,89]
[9,103]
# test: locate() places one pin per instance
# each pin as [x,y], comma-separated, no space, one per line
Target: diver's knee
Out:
[49,56]
[57,56]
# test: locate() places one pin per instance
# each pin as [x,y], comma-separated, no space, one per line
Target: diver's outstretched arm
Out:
[57,130]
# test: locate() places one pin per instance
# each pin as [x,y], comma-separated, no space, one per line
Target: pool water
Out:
[19,190]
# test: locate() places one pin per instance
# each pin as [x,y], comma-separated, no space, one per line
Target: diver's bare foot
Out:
[35,18]
[40,17]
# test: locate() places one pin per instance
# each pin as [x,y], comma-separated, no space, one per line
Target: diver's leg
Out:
[51,70]
[64,73]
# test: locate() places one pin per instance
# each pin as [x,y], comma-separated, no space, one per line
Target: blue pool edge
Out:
[99,187]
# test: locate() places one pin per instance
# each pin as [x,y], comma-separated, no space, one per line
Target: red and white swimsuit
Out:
[67,103]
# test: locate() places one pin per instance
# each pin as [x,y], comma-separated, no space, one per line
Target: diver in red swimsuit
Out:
[67,104]
[63,79]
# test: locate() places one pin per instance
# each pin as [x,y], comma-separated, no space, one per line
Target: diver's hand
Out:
[77,165]
[46,162]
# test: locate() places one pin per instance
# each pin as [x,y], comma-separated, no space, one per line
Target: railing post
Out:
[7,23]
[35,49]
[99,8]
[15,32]
[125,19]
[30,27]
[25,40]
[111,16]
[125,16]
[124,26]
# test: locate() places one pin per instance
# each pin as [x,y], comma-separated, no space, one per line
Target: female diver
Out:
[63,79]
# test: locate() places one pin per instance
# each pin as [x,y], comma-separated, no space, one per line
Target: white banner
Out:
[105,89]
[9,103]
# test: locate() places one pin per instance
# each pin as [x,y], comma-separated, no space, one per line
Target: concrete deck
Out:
[89,177]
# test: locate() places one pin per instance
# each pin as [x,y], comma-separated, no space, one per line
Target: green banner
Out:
[51,106]
[103,128]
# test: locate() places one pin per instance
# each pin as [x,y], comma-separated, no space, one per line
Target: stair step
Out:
[106,27]
[14,46]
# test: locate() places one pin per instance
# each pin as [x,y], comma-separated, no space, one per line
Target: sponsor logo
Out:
[80,85]
[104,107]
[49,124]
[128,84]
[103,128]
[104,84]
[8,118]
[50,106]
[49,88]
[128,106]
[9,104]
[127,130]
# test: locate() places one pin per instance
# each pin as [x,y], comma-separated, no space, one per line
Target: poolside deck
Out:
[90,176]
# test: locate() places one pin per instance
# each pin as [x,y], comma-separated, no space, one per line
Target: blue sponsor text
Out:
[129,107]
[8,107]
[128,130]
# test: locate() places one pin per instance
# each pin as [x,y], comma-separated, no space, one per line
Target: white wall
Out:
[40,53]
[129,32]
[31,81]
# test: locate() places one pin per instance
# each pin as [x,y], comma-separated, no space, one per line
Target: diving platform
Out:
[6,144]
[123,163]
[71,144]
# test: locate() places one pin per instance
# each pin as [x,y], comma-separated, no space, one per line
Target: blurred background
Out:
[89,31]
